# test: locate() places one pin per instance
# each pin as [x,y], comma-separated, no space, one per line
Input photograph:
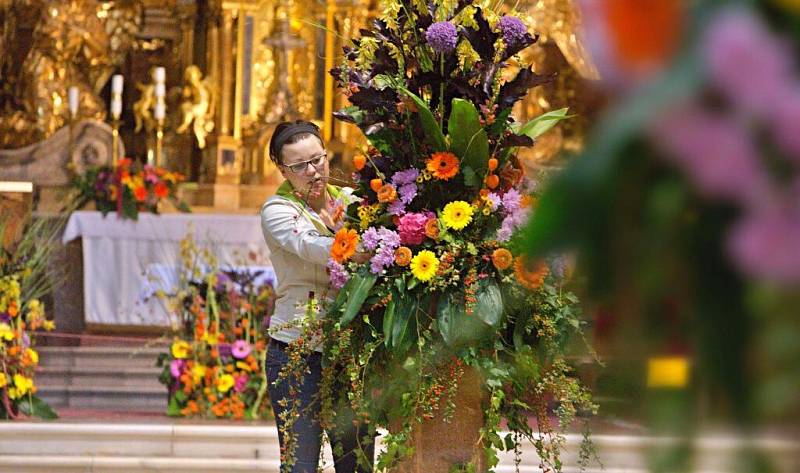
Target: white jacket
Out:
[299,252]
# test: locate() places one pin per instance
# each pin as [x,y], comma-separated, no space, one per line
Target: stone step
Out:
[179,446]
[93,396]
[98,376]
[99,356]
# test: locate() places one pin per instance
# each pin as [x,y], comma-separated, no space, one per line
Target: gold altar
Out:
[231,70]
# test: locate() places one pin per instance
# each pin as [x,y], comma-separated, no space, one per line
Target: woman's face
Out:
[310,179]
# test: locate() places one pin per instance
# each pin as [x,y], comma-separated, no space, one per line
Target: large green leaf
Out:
[468,139]
[489,306]
[541,124]
[456,326]
[433,133]
[405,322]
[356,295]
[388,321]
[34,407]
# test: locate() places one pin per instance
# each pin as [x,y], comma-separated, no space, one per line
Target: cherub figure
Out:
[197,108]
[143,108]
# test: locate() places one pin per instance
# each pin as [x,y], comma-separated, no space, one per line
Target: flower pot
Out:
[439,445]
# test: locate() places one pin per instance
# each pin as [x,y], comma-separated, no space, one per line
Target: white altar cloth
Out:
[119,256]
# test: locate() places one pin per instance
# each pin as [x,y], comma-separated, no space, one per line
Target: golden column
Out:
[227,47]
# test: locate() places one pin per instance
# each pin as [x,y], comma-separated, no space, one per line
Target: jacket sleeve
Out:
[283,224]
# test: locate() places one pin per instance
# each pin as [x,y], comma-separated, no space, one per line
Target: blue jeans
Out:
[306,428]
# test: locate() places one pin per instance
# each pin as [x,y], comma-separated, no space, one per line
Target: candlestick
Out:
[116,84]
[73,98]
[159,74]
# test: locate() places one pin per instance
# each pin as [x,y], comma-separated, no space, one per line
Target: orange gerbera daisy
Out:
[530,278]
[402,256]
[140,193]
[443,165]
[161,190]
[501,258]
[432,228]
[387,194]
[344,245]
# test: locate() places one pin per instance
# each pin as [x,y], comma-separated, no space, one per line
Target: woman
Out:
[298,224]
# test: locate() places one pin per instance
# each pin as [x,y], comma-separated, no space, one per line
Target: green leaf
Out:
[362,283]
[458,328]
[173,408]
[519,330]
[541,124]
[33,406]
[405,322]
[489,305]
[468,139]
[180,396]
[388,321]
[470,178]
[433,133]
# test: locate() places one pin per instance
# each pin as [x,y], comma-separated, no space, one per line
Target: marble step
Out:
[99,356]
[98,376]
[110,397]
[179,446]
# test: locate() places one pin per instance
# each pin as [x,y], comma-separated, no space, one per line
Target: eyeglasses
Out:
[316,162]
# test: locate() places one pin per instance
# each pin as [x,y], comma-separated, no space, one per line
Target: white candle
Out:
[159,74]
[116,106]
[160,111]
[161,90]
[73,96]
[116,84]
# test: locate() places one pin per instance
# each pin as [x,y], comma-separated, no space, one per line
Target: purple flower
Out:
[408,192]
[241,383]
[338,274]
[513,29]
[766,245]
[5,317]
[412,228]
[494,200]
[369,239]
[389,237]
[383,258]
[396,208]
[716,154]
[240,349]
[176,368]
[224,350]
[785,123]
[441,36]
[511,201]
[408,176]
[746,61]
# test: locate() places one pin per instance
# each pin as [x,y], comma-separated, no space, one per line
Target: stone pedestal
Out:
[16,202]
[439,445]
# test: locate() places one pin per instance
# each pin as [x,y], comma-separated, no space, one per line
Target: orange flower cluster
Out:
[530,278]
[442,165]
[344,245]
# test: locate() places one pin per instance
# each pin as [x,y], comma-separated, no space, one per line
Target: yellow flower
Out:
[32,355]
[180,349]
[243,366]
[225,383]
[5,332]
[424,265]
[3,380]
[49,325]
[23,384]
[211,338]
[457,215]
[198,371]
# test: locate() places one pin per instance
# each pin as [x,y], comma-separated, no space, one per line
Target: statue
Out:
[142,108]
[75,43]
[197,109]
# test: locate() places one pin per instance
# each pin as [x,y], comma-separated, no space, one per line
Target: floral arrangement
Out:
[129,188]
[432,86]
[215,364]
[22,283]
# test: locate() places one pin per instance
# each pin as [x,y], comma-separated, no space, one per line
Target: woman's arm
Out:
[284,224]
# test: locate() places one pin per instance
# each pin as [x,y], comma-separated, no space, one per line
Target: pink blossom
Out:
[786,124]
[766,245]
[240,349]
[412,228]
[241,383]
[176,368]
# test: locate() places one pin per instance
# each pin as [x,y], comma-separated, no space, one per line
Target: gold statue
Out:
[197,109]
[71,46]
[142,108]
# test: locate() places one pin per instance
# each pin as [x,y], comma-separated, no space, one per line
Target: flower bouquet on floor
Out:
[23,280]
[129,188]
[447,307]
[215,364]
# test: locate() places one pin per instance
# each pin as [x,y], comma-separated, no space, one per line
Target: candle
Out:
[160,110]
[73,95]
[161,90]
[116,84]
[159,74]
[116,106]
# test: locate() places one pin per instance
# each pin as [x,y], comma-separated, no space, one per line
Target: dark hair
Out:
[287,133]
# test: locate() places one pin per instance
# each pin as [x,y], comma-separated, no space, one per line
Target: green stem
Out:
[441,93]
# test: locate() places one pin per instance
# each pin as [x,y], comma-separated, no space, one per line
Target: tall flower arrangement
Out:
[432,85]
[215,365]
[129,188]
